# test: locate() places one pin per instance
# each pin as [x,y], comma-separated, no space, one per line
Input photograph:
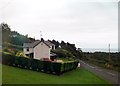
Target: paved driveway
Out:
[106,74]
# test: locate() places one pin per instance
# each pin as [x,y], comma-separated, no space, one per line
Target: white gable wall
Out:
[41,51]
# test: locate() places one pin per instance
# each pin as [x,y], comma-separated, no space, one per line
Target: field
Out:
[13,75]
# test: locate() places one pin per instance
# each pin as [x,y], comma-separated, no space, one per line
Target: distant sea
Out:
[98,50]
[93,50]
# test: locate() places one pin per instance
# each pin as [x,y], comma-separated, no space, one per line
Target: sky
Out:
[85,23]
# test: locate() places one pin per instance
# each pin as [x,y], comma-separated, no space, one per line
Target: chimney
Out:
[42,39]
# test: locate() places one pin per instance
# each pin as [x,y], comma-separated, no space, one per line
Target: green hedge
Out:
[37,65]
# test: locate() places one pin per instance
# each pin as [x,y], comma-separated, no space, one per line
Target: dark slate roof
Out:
[32,45]
[49,43]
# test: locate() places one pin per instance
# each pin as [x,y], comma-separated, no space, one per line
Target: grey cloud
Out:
[87,24]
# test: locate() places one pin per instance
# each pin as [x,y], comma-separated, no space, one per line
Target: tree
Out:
[5,32]
[63,44]
[55,42]
[62,53]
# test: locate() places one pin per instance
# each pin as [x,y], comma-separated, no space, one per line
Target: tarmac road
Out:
[106,74]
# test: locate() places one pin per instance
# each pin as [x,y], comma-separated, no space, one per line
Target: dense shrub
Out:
[37,65]
[40,65]
[8,59]
[63,53]
[24,62]
[57,68]
[34,64]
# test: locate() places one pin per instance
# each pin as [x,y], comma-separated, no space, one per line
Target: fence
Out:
[37,65]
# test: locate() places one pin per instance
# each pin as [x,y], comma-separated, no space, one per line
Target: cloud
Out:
[87,24]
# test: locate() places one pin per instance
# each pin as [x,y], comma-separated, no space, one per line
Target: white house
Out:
[39,49]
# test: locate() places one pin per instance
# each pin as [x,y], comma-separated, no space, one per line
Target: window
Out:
[27,49]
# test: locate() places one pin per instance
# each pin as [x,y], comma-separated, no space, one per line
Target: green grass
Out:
[13,75]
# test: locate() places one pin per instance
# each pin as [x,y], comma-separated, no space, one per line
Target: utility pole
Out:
[109,53]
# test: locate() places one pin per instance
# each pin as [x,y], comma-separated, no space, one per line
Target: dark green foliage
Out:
[62,53]
[102,59]
[46,66]
[69,66]
[55,42]
[57,68]
[37,65]
[67,50]
[12,39]
[24,62]
[72,49]
[8,59]
[34,64]
[16,61]
[40,65]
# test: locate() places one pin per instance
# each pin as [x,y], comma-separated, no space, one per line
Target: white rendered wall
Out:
[41,51]
[27,52]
